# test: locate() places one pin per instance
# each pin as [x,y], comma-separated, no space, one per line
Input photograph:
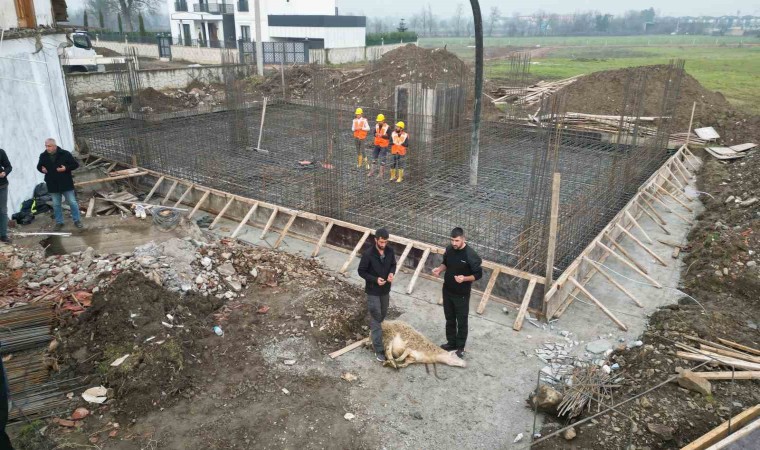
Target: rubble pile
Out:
[93,106]
[154,101]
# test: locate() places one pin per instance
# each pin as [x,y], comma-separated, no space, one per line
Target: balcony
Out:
[243,6]
[180,6]
[213,8]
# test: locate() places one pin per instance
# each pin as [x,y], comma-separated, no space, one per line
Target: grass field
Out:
[730,67]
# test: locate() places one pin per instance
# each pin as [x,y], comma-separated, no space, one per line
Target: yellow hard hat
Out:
[400,125]
[380,118]
[359,111]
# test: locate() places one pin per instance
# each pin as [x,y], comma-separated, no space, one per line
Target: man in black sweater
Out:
[5,169]
[57,165]
[462,267]
[378,267]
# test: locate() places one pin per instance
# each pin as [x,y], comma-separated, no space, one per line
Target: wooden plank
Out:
[106,180]
[487,293]
[625,261]
[654,211]
[347,349]
[184,194]
[744,432]
[90,207]
[417,271]
[517,326]
[625,253]
[724,360]
[734,354]
[722,430]
[155,186]
[275,210]
[221,213]
[741,347]
[245,220]
[667,208]
[404,254]
[97,160]
[322,238]
[170,192]
[636,224]
[198,205]
[354,252]
[285,230]
[553,229]
[706,342]
[613,281]
[682,168]
[728,375]
[604,309]
[675,183]
[642,245]
[676,199]
[654,219]
[110,168]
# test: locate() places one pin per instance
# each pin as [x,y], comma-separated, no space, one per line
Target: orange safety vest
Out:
[360,127]
[380,139]
[398,147]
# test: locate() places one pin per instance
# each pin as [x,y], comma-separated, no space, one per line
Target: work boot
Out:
[381,173]
[359,163]
[393,174]
[460,353]
[380,357]
[78,224]
[58,227]
[371,170]
[400,175]
[448,347]
[366,162]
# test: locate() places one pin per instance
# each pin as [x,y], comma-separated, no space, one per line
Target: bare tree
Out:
[129,9]
[457,22]
[493,19]
[431,21]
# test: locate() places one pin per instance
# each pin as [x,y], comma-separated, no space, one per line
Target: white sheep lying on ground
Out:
[404,345]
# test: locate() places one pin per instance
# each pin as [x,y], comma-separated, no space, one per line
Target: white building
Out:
[217,23]
[31,13]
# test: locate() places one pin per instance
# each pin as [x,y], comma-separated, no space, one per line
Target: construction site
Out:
[614,310]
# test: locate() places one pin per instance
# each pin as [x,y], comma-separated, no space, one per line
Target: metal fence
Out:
[275,52]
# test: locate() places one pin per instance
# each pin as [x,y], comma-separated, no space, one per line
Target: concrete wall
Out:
[349,55]
[96,83]
[36,107]
[334,37]
[200,55]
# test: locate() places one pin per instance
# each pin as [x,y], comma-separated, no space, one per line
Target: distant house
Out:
[31,13]
[224,22]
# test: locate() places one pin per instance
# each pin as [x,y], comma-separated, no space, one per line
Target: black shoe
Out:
[448,347]
[58,227]
[5,239]
[460,353]
[380,357]
[78,224]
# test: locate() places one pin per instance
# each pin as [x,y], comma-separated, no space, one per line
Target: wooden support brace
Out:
[678,174]
[285,230]
[641,244]
[275,210]
[221,213]
[604,309]
[109,179]
[110,168]
[347,349]
[682,168]
[198,205]
[631,266]
[613,281]
[354,252]
[517,326]
[487,292]
[651,208]
[155,186]
[417,271]
[636,224]
[676,199]
[690,155]
[245,220]
[90,207]
[667,208]
[676,182]
[654,219]
[184,194]
[723,430]
[404,254]
[97,160]
[630,257]
[170,192]
[323,238]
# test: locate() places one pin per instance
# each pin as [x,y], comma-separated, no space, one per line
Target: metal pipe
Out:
[475,138]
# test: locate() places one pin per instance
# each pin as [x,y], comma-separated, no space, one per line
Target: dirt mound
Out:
[602,93]
[157,328]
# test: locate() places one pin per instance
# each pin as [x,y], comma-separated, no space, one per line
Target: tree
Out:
[118,19]
[86,23]
[130,8]
[402,27]
[493,19]
[457,22]
[101,21]
[141,24]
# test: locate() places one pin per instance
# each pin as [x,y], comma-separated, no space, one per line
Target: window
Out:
[81,41]
[245,33]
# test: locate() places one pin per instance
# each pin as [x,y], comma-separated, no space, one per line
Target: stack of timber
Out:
[741,362]
[605,124]
[532,94]
[98,206]
[678,139]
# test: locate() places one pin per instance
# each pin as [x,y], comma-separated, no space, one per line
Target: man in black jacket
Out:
[5,170]
[377,267]
[462,267]
[57,164]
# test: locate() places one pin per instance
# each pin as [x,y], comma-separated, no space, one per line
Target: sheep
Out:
[404,345]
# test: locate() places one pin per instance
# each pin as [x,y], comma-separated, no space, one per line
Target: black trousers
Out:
[456,309]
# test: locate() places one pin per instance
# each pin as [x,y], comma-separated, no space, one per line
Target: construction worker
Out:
[398,152]
[382,141]
[360,127]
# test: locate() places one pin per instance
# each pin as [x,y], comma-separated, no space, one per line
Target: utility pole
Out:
[259,44]
[475,139]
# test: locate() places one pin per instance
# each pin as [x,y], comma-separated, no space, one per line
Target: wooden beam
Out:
[198,205]
[667,208]
[676,199]
[404,254]
[625,253]
[604,309]
[741,347]
[487,293]
[105,180]
[170,192]
[631,266]
[245,220]
[676,183]
[722,430]
[636,224]
[155,186]
[682,168]
[724,360]
[613,281]
[641,244]
[275,210]
[417,271]
[354,252]
[221,213]
[187,191]
[654,219]
[652,209]
[97,160]
[744,432]
[110,168]
[706,342]
[322,238]
[347,349]
[285,230]
[728,375]
[517,326]
[733,354]
[90,207]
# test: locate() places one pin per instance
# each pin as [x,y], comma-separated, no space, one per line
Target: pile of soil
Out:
[157,101]
[603,92]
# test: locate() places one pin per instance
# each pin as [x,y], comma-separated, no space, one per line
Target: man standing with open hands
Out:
[57,165]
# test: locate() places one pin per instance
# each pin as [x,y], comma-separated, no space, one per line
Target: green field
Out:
[731,67]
